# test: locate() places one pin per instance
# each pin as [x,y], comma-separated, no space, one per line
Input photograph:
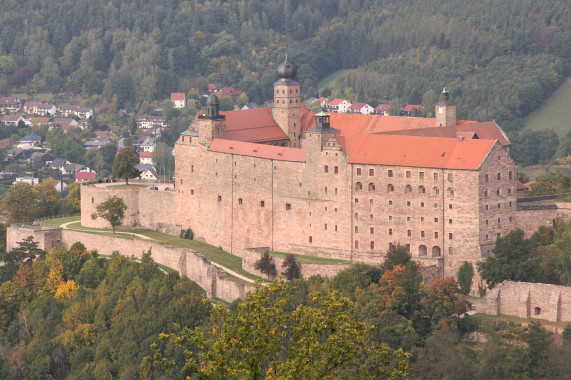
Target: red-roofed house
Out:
[84,176]
[338,105]
[146,158]
[411,110]
[178,99]
[230,91]
[345,185]
[211,87]
[382,109]
[12,119]
[362,108]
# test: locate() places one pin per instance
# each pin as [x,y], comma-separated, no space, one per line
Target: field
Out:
[553,114]
[333,80]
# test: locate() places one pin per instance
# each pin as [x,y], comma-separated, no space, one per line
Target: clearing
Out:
[553,114]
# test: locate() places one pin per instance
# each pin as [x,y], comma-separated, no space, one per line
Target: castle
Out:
[341,185]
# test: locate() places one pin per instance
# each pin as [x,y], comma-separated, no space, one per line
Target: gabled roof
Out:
[258,150]
[4,101]
[230,91]
[470,130]
[177,96]
[32,137]
[11,118]
[254,125]
[40,120]
[211,86]
[85,175]
[382,107]
[357,106]
[412,151]
[145,155]
[335,102]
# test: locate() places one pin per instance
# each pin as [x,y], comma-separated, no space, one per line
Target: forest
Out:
[73,314]
[499,59]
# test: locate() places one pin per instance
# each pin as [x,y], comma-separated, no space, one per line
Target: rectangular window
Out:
[421,204]
[310,239]
[356,244]
[436,176]
[449,221]
[326,169]
[356,200]
[409,233]
[422,218]
[499,176]
[356,215]
[390,231]
[335,191]
[390,173]
[408,203]
[356,229]
[358,171]
[371,201]
[192,168]
[499,205]
[498,235]
[450,250]
[325,227]
[262,203]
[435,220]
[487,222]
[450,177]
[436,235]
[510,176]
[486,207]
[220,198]
[372,245]
[325,189]
[408,174]
[390,217]
[499,220]
[390,203]
[371,216]
[421,234]
[421,175]
[239,201]
[408,218]
[450,236]
[371,230]
[486,179]
[191,191]
[450,206]
[336,227]
[371,172]
[288,206]
[336,169]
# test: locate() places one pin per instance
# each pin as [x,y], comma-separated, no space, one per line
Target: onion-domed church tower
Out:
[287,104]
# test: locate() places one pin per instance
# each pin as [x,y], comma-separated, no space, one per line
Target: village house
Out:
[67,110]
[40,108]
[382,109]
[30,141]
[66,124]
[362,108]
[146,122]
[411,110]
[178,99]
[146,158]
[230,91]
[12,120]
[9,104]
[338,105]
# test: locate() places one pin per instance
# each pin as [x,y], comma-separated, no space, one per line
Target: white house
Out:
[70,110]
[148,145]
[362,108]
[338,105]
[146,158]
[178,99]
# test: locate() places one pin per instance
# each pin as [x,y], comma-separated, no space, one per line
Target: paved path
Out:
[230,271]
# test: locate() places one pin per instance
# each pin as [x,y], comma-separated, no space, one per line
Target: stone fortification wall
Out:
[528,300]
[537,211]
[91,196]
[187,262]
[156,210]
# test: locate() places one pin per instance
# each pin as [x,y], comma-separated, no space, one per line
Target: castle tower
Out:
[287,104]
[445,111]
[318,136]
[212,125]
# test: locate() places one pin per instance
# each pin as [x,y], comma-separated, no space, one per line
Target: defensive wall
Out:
[187,262]
[528,300]
[533,212]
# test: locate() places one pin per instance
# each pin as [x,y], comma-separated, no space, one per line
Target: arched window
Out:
[435,191]
[358,186]
[390,188]
[436,251]
[422,251]
[371,186]
[421,190]
[408,189]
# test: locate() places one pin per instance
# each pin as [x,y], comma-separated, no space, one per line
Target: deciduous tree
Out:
[112,210]
[266,265]
[19,204]
[125,162]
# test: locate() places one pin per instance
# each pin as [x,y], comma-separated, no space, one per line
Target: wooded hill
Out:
[499,59]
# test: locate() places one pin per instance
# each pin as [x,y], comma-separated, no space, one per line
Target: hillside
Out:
[553,113]
[499,59]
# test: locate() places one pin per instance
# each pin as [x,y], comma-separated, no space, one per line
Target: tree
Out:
[124,165]
[164,160]
[112,210]
[266,265]
[72,202]
[465,275]
[510,260]
[47,198]
[265,338]
[292,269]
[19,204]
[550,183]
[396,255]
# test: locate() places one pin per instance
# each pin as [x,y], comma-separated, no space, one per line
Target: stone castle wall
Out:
[187,262]
[528,300]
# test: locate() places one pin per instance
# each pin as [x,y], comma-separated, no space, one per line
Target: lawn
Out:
[553,114]
[334,80]
[303,259]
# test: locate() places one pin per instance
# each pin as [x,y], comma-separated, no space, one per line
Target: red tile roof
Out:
[411,107]
[177,96]
[257,150]
[382,107]
[427,152]
[470,130]
[357,106]
[336,102]
[211,86]
[85,175]
[230,91]
[12,118]
[145,154]
[40,120]
[254,125]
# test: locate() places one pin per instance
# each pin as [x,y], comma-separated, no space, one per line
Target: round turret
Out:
[212,106]
[287,70]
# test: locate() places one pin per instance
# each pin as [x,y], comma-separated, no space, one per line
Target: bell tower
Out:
[287,103]
[445,111]
[212,125]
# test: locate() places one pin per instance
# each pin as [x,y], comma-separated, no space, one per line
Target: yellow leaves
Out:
[55,278]
[66,290]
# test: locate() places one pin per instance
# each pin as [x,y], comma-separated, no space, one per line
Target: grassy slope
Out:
[333,80]
[554,113]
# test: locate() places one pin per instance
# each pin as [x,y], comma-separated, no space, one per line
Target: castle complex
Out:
[341,185]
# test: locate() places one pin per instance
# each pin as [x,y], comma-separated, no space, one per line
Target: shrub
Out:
[465,275]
